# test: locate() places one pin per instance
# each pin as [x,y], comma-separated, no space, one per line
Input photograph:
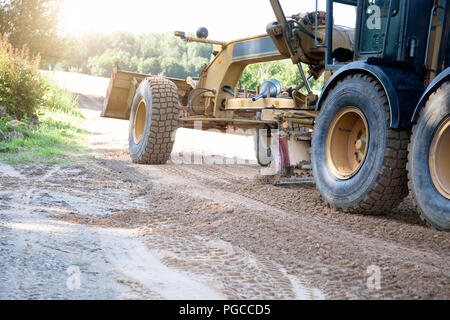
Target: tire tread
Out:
[391,186]
[423,216]
[165,107]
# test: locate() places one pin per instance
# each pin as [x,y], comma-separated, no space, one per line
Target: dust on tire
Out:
[387,186]
[156,144]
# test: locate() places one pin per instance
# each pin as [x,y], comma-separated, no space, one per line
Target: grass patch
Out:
[60,100]
[27,95]
[59,135]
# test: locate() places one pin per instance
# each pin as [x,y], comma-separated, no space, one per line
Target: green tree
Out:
[124,41]
[150,66]
[172,68]
[33,23]
[22,87]
[145,53]
[284,71]
[149,45]
[85,46]
[102,65]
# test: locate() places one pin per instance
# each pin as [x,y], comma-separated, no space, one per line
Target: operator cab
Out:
[386,33]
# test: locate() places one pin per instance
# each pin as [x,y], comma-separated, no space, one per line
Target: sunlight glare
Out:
[225,21]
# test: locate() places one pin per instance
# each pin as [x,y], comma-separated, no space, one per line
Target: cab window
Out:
[375,16]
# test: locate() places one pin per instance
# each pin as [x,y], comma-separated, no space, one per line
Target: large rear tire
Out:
[153,121]
[359,162]
[429,160]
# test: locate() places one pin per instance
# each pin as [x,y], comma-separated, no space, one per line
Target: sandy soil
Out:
[197,231]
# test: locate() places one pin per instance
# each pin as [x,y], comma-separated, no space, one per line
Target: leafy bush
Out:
[58,99]
[149,66]
[56,135]
[26,93]
[22,87]
[284,71]
[102,65]
[157,54]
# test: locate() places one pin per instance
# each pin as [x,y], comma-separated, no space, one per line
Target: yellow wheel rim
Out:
[347,143]
[139,121]
[440,159]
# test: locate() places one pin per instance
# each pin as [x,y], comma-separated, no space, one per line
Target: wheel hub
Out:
[439,159]
[139,121]
[347,143]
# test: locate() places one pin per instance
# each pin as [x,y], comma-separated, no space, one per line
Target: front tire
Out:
[153,121]
[359,162]
[429,160]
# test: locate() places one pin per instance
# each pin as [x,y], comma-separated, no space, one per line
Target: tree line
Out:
[156,54]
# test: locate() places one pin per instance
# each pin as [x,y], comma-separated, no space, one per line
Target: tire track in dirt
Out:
[220,224]
[390,252]
[49,191]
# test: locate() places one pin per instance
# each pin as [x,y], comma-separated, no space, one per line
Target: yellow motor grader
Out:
[386,90]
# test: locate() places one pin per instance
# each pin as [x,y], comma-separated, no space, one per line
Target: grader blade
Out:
[121,91]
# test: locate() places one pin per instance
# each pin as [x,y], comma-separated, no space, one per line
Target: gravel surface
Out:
[198,231]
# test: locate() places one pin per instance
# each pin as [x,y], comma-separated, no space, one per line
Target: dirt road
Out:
[103,228]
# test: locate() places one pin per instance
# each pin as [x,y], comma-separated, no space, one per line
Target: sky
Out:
[225,20]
